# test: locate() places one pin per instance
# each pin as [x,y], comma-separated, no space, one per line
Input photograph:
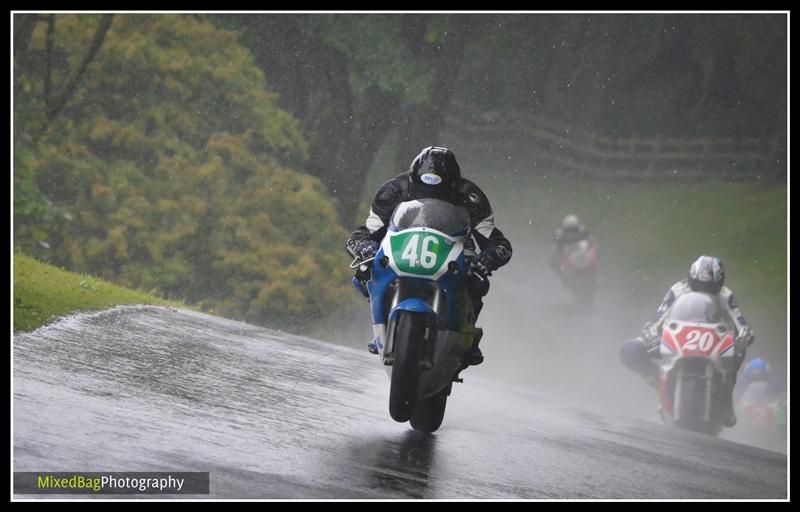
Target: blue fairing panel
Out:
[449,283]
[415,305]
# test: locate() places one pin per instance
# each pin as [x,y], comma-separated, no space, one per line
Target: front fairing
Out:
[395,278]
[421,268]
[697,327]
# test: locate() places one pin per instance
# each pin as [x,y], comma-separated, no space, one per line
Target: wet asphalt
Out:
[276,416]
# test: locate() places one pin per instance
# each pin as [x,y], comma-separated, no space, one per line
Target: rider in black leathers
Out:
[434,173]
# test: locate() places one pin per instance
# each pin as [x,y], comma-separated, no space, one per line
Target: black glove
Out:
[479,268]
[367,249]
[363,249]
[479,277]
[489,260]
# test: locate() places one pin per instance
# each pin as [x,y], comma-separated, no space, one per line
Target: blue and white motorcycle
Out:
[423,316]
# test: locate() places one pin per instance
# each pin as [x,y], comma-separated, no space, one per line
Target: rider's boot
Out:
[372,346]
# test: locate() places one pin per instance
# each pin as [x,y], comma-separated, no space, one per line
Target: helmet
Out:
[706,275]
[571,223]
[435,173]
[756,368]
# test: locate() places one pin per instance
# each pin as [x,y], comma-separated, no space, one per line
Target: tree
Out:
[177,171]
[350,79]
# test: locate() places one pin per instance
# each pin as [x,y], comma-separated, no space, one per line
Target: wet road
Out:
[271,415]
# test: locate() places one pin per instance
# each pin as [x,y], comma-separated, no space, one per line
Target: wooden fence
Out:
[559,148]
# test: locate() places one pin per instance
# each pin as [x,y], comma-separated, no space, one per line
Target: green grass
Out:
[654,231]
[43,293]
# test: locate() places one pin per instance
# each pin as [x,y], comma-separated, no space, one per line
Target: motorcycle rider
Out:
[434,173]
[757,370]
[571,231]
[705,275]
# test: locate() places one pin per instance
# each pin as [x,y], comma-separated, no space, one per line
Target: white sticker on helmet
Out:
[430,179]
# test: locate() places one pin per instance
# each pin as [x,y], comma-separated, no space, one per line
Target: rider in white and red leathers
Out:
[705,275]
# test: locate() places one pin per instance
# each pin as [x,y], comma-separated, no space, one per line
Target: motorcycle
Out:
[423,317]
[697,350]
[577,265]
[761,409]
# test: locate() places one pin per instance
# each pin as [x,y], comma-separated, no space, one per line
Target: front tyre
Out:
[409,336]
[693,404]
[429,413]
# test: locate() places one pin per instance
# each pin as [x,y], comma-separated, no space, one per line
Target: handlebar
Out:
[474,274]
[355,263]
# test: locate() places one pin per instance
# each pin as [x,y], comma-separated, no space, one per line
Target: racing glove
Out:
[362,249]
[490,260]
[367,249]
[480,272]
[744,339]
[478,268]
[651,334]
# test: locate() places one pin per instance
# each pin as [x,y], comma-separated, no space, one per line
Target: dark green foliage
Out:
[171,169]
[633,75]
[354,79]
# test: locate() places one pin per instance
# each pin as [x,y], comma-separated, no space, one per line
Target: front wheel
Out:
[409,336]
[695,398]
[429,413]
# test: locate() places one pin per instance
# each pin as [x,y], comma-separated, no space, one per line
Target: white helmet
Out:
[571,222]
[706,275]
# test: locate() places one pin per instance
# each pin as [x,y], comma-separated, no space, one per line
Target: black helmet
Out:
[435,173]
[706,275]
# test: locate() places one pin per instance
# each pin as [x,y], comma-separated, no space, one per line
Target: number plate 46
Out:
[420,252]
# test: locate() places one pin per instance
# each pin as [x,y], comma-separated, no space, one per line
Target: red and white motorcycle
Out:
[577,265]
[697,349]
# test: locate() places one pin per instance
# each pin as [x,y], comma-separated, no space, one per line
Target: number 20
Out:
[699,341]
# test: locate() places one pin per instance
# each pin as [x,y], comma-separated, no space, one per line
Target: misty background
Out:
[223,159]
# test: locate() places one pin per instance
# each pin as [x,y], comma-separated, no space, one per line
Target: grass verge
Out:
[43,293]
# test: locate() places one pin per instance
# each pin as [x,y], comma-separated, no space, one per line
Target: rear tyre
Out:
[408,339]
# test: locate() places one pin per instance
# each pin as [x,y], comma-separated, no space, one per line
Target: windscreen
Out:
[697,307]
[431,213]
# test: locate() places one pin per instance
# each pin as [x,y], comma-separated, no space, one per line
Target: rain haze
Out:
[221,161]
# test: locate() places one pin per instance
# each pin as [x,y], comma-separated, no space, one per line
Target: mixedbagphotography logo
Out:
[111,483]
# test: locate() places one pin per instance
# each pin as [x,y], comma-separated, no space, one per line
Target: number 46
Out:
[411,253]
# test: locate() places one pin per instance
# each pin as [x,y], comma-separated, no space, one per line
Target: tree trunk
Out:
[55,107]
[345,135]
[23,30]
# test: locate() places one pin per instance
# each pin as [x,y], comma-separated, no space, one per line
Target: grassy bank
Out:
[43,293]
